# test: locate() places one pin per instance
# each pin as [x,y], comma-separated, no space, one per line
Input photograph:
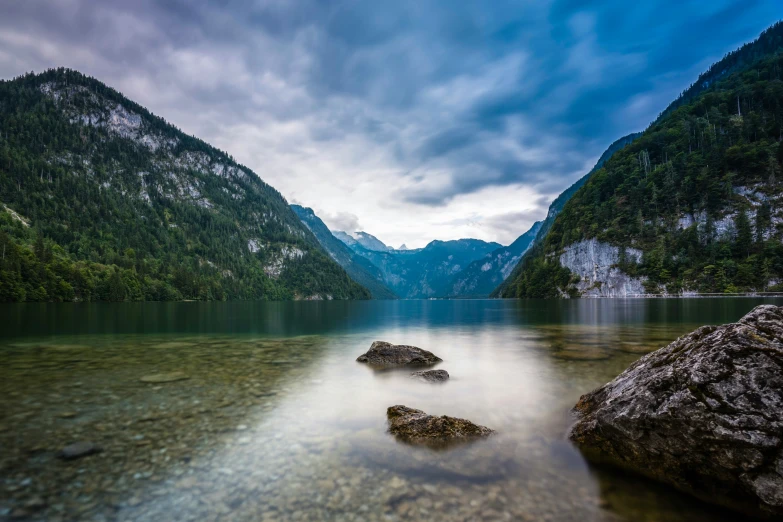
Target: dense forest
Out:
[101,200]
[699,193]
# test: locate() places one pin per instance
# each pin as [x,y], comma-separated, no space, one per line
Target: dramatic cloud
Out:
[417,119]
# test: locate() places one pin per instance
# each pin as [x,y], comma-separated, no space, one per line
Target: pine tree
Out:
[744,239]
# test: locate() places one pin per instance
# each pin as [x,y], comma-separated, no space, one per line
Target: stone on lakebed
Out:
[165,377]
[431,375]
[78,450]
[416,427]
[382,353]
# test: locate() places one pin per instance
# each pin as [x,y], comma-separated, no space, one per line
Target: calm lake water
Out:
[269,417]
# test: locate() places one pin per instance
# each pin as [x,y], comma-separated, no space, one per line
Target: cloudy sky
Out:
[412,120]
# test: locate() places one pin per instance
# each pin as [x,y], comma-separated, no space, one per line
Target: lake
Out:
[266,415]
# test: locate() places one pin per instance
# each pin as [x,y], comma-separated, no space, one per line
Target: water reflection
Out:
[273,424]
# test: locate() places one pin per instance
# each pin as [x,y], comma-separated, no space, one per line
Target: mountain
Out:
[367,241]
[346,238]
[360,269]
[483,275]
[693,205]
[557,205]
[101,200]
[425,272]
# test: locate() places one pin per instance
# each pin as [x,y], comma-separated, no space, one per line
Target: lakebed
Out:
[259,411]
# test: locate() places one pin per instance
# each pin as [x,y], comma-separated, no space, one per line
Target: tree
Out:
[116,288]
[744,239]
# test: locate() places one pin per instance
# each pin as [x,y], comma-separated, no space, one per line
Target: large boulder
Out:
[416,427]
[704,414]
[382,353]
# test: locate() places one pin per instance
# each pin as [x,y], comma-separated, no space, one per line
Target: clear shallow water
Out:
[274,420]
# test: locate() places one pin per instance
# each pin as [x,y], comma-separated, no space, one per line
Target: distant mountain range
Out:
[483,275]
[359,268]
[366,240]
[459,269]
[101,200]
[421,273]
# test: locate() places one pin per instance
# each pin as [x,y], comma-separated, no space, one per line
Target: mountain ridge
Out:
[424,272]
[360,269]
[692,206]
[559,202]
[483,275]
[124,206]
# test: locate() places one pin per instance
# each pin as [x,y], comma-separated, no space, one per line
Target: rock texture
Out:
[431,375]
[704,414]
[416,427]
[594,262]
[382,353]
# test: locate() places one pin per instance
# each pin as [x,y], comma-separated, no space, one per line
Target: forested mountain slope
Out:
[360,269]
[101,200]
[694,204]
[557,206]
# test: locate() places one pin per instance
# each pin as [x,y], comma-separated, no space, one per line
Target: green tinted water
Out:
[269,417]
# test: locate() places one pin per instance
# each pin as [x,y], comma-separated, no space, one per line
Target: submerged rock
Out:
[78,450]
[704,414]
[431,375]
[165,377]
[415,426]
[382,353]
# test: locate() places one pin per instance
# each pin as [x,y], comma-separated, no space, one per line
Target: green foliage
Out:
[115,219]
[688,163]
[557,206]
[541,277]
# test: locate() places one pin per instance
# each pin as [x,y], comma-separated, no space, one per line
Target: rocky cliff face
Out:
[704,414]
[512,270]
[596,265]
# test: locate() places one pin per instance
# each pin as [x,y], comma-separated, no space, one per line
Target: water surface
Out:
[272,418]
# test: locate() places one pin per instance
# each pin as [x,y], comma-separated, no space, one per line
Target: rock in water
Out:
[431,375]
[78,450]
[386,354]
[704,414]
[165,377]
[416,427]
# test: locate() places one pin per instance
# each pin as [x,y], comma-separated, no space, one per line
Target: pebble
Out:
[165,377]
[78,450]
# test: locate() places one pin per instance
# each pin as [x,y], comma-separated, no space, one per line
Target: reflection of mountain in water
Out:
[309,318]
